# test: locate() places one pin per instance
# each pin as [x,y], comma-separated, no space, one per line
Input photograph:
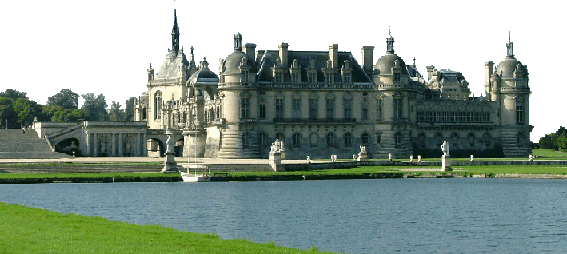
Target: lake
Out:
[461,215]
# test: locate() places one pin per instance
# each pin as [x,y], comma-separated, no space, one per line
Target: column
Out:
[138,150]
[120,145]
[89,145]
[95,154]
[113,137]
[144,145]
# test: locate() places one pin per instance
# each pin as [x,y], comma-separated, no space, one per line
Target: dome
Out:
[204,74]
[232,62]
[386,62]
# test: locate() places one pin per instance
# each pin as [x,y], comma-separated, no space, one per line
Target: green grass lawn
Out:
[33,230]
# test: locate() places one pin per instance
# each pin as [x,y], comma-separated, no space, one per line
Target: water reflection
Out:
[354,216]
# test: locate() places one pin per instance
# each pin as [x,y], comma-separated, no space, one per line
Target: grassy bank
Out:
[88,177]
[32,230]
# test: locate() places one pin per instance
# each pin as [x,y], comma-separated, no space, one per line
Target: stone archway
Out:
[69,146]
[156,148]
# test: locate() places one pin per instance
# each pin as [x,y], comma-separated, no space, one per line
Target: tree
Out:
[94,107]
[130,109]
[27,110]
[68,115]
[556,141]
[65,98]
[13,94]
[116,113]
[7,113]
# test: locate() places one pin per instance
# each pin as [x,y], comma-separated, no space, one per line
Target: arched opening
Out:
[155,148]
[331,140]
[69,146]
[348,139]
[178,147]
[296,140]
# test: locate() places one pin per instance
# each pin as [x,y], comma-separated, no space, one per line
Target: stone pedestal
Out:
[275,161]
[362,156]
[446,163]
[170,166]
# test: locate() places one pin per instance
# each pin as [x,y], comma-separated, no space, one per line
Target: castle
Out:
[324,102]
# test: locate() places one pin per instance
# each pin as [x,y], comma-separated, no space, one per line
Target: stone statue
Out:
[169,144]
[445,148]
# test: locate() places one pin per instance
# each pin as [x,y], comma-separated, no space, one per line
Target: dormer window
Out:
[312,76]
[278,77]
[245,76]
[397,77]
[347,79]
[329,79]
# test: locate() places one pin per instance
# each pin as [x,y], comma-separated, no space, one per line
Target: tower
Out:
[511,91]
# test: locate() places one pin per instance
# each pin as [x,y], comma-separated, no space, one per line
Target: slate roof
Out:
[266,60]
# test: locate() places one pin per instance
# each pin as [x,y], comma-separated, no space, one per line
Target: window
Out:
[397,77]
[365,138]
[364,112]
[398,108]
[244,77]
[262,111]
[262,139]
[296,77]
[347,78]
[379,109]
[378,137]
[330,139]
[313,139]
[296,140]
[520,113]
[280,108]
[348,139]
[244,108]
[280,136]
[157,105]
[330,105]
[471,139]
[329,78]
[347,106]
[313,108]
[312,77]
[398,139]
[296,104]
[279,77]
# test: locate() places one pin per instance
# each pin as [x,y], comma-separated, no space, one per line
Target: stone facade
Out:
[324,102]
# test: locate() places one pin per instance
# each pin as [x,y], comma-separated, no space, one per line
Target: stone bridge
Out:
[106,139]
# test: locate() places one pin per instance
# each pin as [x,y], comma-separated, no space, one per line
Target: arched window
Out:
[378,137]
[348,139]
[245,140]
[438,139]
[313,139]
[365,138]
[296,140]
[487,139]
[331,139]
[157,105]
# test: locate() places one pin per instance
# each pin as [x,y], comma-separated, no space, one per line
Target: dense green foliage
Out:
[66,98]
[95,107]
[33,230]
[556,141]
[16,110]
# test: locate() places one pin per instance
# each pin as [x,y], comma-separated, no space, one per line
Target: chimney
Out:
[283,53]
[430,70]
[367,58]
[334,55]
[250,51]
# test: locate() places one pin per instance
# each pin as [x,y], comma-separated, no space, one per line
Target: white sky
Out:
[106,46]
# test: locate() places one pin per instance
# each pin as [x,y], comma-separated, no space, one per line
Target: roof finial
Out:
[509,47]
[390,42]
[414,61]
[389,32]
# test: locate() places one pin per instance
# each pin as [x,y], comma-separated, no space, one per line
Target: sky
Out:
[107,46]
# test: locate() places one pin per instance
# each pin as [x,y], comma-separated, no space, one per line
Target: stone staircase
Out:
[16,145]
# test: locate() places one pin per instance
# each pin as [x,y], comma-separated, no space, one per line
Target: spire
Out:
[390,43]
[509,47]
[175,34]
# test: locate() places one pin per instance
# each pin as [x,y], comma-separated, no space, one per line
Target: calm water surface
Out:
[354,216]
